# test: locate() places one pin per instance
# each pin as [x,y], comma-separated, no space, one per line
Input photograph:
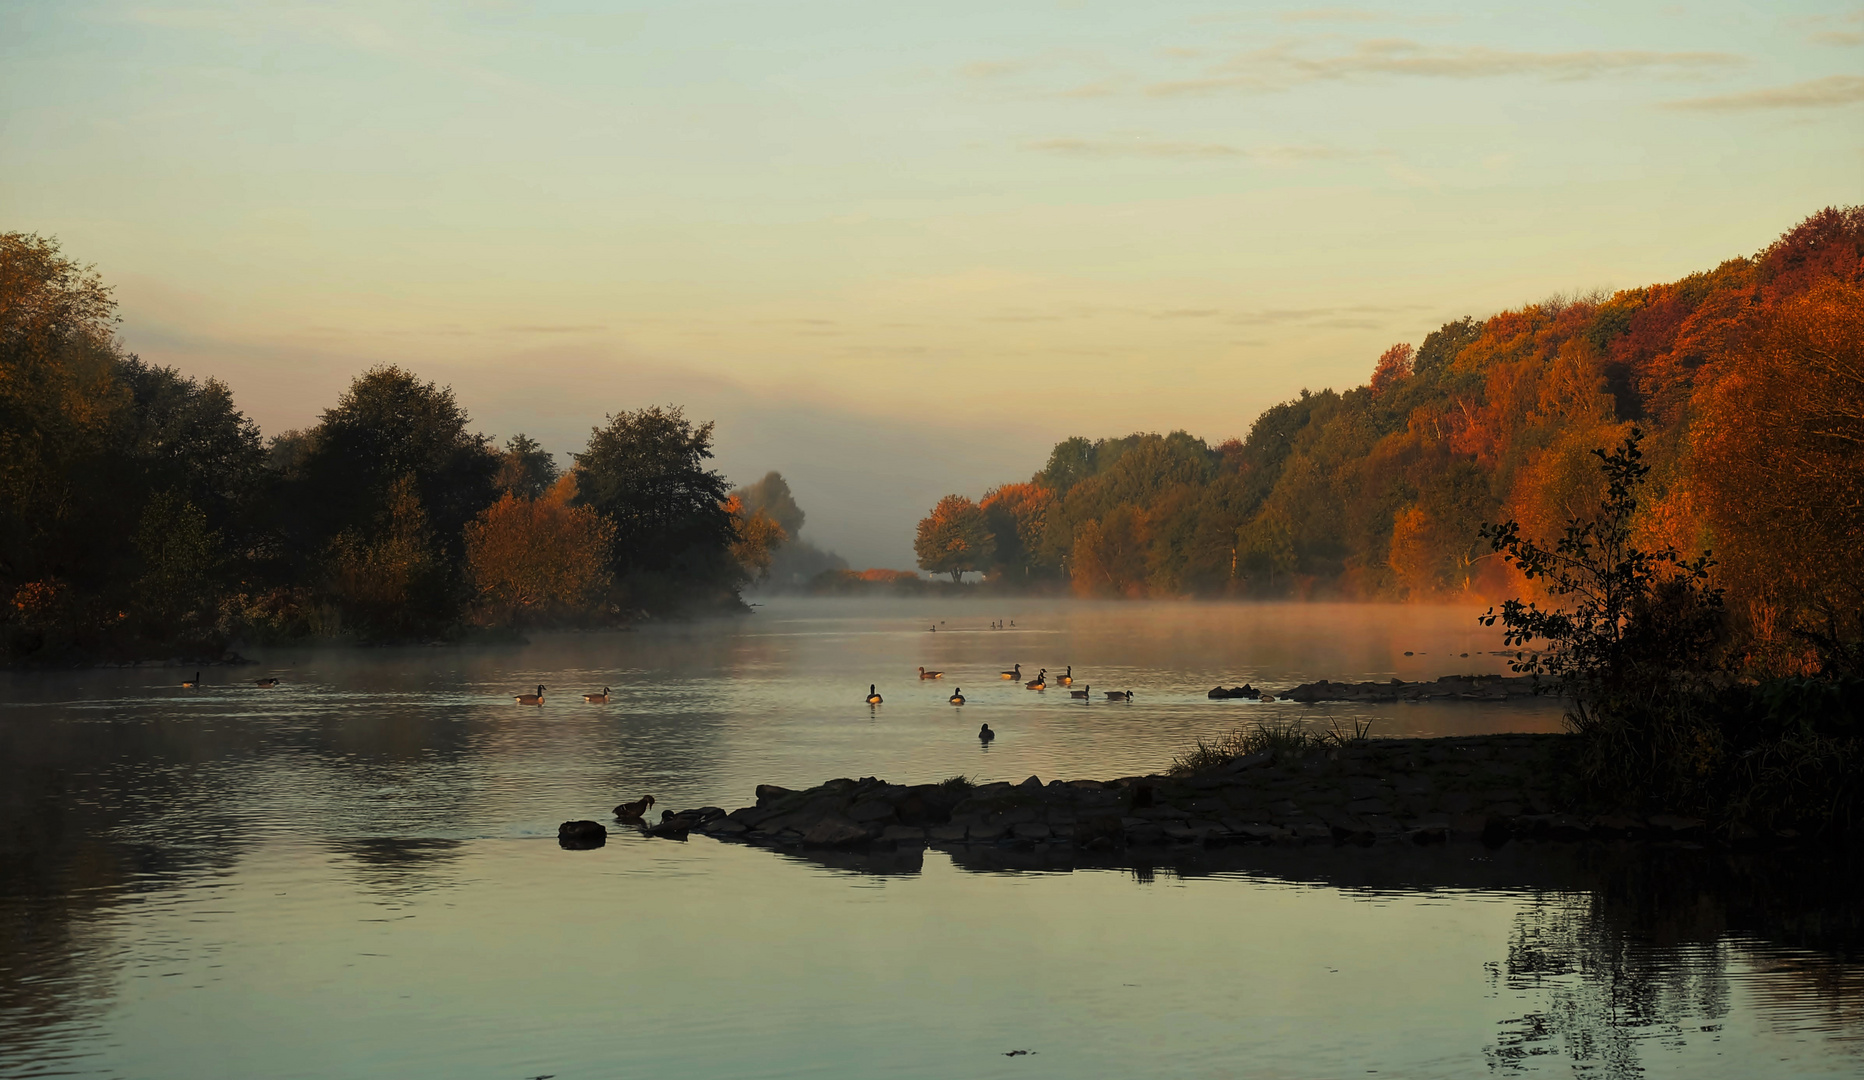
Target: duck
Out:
[1081,693]
[873,695]
[597,699]
[984,734]
[957,696]
[1067,677]
[634,811]
[1119,695]
[924,674]
[267,683]
[531,699]
[1014,673]
[1040,682]
[192,684]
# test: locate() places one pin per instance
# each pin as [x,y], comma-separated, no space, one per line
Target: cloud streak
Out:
[1283,66]
[1829,92]
[1162,148]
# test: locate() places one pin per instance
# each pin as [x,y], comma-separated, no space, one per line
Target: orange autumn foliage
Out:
[534,560]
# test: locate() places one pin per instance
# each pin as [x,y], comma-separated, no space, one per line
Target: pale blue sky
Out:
[894,250]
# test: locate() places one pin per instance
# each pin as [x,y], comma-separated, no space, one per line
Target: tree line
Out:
[142,514]
[1746,378]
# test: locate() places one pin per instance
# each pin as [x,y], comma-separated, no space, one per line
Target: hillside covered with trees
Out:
[1747,380]
[142,514]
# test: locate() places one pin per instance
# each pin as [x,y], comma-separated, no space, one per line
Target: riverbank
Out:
[1476,789]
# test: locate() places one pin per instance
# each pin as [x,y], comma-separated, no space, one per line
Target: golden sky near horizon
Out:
[894,250]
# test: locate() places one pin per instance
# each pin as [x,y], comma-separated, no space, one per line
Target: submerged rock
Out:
[581,835]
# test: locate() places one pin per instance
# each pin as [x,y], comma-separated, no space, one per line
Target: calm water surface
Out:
[356,874]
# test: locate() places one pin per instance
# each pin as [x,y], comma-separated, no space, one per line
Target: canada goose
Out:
[924,674]
[984,734]
[873,696]
[1014,673]
[1119,695]
[192,684]
[1067,677]
[597,699]
[1081,693]
[633,811]
[1040,682]
[265,682]
[531,699]
[957,696]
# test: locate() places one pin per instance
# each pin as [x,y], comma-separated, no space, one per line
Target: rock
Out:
[1032,830]
[1674,825]
[1106,827]
[674,828]
[1259,759]
[946,833]
[771,793]
[1141,831]
[903,834]
[871,811]
[1034,783]
[1615,825]
[986,832]
[837,831]
[1496,831]
[1368,806]
[581,835]
[724,827]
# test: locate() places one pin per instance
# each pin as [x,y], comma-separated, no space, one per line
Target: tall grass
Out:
[1286,738]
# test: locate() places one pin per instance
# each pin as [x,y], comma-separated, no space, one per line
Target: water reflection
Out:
[356,873]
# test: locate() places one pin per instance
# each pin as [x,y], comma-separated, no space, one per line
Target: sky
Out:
[893,250]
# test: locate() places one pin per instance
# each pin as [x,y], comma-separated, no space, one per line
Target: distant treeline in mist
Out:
[1748,380]
[142,514]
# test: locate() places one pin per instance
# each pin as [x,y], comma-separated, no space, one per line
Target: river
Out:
[355,873]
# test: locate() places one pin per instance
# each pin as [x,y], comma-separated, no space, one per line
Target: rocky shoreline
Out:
[1463,687]
[1487,789]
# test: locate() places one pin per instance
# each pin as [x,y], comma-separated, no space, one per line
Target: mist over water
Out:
[356,873]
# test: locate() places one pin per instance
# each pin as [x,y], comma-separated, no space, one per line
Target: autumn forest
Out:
[1746,381]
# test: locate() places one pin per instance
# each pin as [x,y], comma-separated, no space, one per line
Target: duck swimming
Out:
[984,734]
[531,699]
[873,696]
[924,674]
[265,682]
[1014,673]
[1119,695]
[1081,693]
[957,696]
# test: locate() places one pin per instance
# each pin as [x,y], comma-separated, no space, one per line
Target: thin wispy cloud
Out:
[1831,91]
[1330,14]
[1285,65]
[1162,148]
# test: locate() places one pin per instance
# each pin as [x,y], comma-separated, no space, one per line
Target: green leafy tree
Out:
[646,472]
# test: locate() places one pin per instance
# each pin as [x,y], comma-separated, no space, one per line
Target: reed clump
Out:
[1287,738]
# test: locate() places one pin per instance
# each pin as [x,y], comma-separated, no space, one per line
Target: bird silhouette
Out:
[957,696]
[531,699]
[984,734]
[873,696]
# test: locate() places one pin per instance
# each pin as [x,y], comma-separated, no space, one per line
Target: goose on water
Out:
[192,684]
[531,699]
[1040,682]
[957,696]
[1119,695]
[1014,673]
[924,674]
[1067,677]
[984,734]
[1081,693]
[597,699]
[873,695]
